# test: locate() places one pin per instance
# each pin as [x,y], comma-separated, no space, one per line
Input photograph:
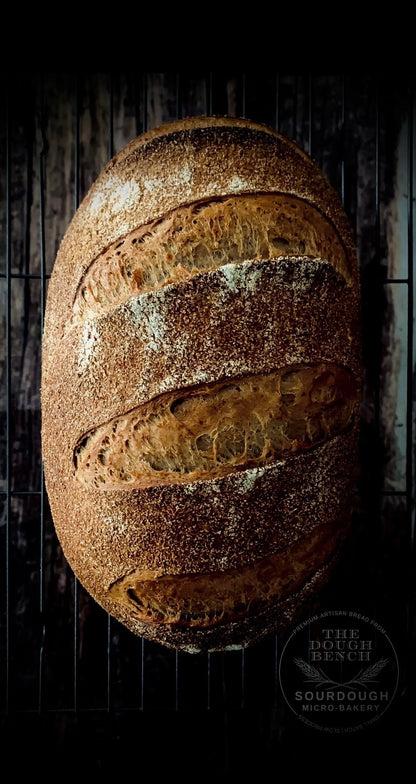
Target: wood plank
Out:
[356,127]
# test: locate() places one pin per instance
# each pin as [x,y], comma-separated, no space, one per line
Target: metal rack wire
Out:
[61,656]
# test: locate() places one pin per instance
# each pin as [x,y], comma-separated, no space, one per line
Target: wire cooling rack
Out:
[72,680]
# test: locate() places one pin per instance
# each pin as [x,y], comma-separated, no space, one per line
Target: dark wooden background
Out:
[77,689]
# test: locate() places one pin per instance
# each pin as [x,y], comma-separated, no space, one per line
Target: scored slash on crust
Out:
[218,428]
[208,600]
[203,237]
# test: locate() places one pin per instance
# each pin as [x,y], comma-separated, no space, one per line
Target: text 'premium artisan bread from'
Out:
[201,383]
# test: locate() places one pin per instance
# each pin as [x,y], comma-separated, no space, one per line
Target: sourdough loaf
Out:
[201,383]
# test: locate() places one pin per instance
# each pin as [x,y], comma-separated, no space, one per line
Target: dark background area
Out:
[78,692]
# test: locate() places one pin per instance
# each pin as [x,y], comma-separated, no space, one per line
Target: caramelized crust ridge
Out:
[213,430]
[206,600]
[202,237]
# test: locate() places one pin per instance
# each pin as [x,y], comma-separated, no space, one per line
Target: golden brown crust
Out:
[241,631]
[183,163]
[112,347]
[208,525]
[243,319]
[215,429]
[205,600]
[204,236]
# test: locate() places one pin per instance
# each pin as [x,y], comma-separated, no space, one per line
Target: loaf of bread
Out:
[201,384]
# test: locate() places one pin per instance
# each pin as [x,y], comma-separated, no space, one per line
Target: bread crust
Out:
[245,318]
[182,163]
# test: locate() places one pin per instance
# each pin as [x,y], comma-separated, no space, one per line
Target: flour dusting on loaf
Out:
[201,384]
